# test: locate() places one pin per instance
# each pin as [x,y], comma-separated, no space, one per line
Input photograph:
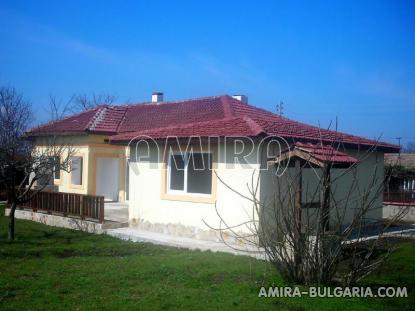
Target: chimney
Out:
[241,98]
[156,97]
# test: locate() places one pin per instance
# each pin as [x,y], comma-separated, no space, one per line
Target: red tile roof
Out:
[77,123]
[325,153]
[209,116]
[108,119]
[143,117]
[100,120]
[229,127]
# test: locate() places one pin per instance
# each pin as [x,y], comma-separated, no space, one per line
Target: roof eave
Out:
[381,148]
[42,134]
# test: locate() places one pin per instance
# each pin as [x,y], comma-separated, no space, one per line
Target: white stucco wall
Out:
[146,204]
[369,175]
[148,208]
[357,180]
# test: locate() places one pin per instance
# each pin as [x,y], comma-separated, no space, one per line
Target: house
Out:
[141,153]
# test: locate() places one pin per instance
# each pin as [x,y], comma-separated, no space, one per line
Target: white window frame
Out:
[81,184]
[186,163]
[127,177]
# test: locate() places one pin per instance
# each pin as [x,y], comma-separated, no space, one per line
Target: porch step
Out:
[143,236]
[108,224]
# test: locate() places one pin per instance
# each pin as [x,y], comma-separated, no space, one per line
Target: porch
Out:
[116,212]
[71,210]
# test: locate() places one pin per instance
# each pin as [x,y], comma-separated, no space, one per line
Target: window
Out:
[46,173]
[56,167]
[190,173]
[44,177]
[76,171]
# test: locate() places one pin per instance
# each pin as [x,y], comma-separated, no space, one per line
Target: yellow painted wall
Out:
[89,147]
[107,151]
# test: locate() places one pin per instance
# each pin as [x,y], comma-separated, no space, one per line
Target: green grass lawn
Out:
[54,268]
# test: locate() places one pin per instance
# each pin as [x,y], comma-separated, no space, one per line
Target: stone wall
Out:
[58,221]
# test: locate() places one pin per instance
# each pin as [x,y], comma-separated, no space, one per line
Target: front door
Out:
[107,178]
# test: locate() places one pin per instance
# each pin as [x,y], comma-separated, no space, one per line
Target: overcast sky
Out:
[354,61]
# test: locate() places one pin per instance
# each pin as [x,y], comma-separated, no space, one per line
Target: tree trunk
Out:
[325,226]
[325,212]
[11,221]
[298,251]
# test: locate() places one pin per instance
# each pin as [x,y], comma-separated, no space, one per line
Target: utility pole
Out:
[399,141]
[399,154]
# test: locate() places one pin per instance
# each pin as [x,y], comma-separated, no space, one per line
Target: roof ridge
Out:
[173,102]
[99,115]
[227,110]
[253,125]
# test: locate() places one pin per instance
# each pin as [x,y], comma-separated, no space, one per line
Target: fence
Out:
[399,197]
[67,204]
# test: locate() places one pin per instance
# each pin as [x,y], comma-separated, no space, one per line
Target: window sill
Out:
[188,198]
[80,187]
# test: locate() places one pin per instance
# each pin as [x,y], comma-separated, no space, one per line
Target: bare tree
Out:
[307,228]
[82,102]
[36,166]
[59,109]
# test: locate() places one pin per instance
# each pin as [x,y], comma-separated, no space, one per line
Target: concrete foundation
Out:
[137,235]
[390,211]
[179,230]
[63,222]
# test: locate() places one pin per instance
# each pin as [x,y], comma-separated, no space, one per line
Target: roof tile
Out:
[208,116]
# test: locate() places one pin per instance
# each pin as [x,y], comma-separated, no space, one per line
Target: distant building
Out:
[400,187]
[402,170]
